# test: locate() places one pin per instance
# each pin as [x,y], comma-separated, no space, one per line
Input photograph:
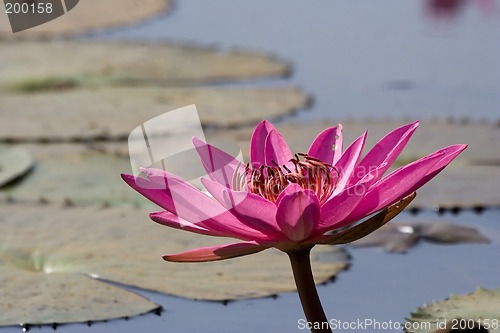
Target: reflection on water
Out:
[359,59]
[452,8]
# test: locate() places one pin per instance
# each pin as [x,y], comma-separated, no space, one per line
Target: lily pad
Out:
[477,310]
[462,186]
[470,181]
[400,237]
[14,163]
[86,114]
[78,90]
[74,174]
[51,257]
[90,15]
[41,298]
[31,64]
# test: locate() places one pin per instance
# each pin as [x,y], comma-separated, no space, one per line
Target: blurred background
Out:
[72,90]
[416,59]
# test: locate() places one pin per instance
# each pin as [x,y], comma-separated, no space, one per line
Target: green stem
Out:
[302,273]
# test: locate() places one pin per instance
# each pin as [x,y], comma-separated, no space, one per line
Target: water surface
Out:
[358,59]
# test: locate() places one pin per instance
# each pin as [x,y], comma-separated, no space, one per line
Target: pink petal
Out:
[340,206]
[217,191]
[251,209]
[327,146]
[385,151]
[258,143]
[159,195]
[187,202]
[395,186]
[450,153]
[348,161]
[298,212]
[219,165]
[365,227]
[214,253]
[162,179]
[277,150]
[170,220]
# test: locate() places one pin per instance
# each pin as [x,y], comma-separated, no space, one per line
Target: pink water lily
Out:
[289,201]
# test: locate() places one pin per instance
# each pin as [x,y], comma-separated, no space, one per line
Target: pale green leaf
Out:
[90,15]
[14,163]
[73,174]
[33,297]
[399,237]
[97,63]
[88,114]
[43,247]
[479,308]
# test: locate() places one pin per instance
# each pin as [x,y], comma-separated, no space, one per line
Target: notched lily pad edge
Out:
[454,210]
[292,112]
[158,311]
[206,125]
[27,326]
[445,313]
[346,268]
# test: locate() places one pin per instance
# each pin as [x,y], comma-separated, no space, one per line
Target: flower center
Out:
[269,181]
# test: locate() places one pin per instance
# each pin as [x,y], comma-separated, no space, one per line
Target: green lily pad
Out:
[50,257]
[75,174]
[89,15]
[478,309]
[78,90]
[41,298]
[14,163]
[87,114]
[400,237]
[97,63]
[465,186]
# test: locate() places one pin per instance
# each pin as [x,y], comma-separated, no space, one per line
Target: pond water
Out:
[358,59]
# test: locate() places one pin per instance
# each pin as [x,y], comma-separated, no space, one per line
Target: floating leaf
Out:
[14,163]
[78,90]
[449,233]
[90,15]
[74,174]
[50,254]
[44,298]
[391,240]
[93,114]
[97,63]
[478,310]
[400,237]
